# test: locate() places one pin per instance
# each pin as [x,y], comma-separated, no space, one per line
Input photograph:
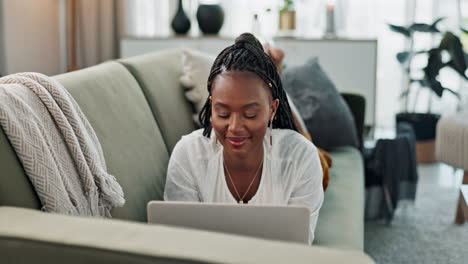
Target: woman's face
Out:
[242,105]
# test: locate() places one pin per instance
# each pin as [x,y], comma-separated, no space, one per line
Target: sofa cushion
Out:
[15,187]
[341,220]
[133,146]
[324,111]
[158,75]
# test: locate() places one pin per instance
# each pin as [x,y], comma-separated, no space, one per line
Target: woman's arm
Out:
[308,190]
[180,183]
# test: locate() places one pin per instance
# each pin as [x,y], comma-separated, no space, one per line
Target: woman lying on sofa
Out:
[249,149]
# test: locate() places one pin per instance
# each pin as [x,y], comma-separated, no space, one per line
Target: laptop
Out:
[286,223]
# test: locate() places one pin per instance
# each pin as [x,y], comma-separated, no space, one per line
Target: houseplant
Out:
[287,16]
[447,53]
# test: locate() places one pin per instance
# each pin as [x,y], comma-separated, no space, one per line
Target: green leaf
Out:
[437,87]
[421,27]
[400,29]
[434,64]
[453,45]
[464,30]
[402,57]
[434,24]
[453,92]
[428,28]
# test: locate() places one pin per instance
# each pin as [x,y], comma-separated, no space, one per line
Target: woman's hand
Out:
[277,55]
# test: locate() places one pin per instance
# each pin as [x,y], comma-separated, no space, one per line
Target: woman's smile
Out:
[237,142]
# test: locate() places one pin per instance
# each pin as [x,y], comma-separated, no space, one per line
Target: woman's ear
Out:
[274,108]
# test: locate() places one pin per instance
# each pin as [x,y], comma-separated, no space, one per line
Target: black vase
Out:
[180,23]
[210,18]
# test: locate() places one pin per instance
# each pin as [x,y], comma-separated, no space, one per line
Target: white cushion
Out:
[195,72]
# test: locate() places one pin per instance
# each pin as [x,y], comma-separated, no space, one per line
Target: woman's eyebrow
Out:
[245,106]
[221,105]
[251,104]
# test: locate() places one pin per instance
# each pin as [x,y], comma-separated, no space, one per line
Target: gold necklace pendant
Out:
[241,198]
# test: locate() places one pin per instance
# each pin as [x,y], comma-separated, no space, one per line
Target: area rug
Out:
[421,232]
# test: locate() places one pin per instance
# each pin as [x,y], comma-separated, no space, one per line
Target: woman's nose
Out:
[235,123]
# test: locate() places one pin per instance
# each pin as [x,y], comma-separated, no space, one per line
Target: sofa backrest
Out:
[132,143]
[158,74]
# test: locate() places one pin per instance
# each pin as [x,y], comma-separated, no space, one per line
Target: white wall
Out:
[30,39]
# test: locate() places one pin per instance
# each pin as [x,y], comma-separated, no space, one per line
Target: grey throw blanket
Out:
[57,146]
[392,166]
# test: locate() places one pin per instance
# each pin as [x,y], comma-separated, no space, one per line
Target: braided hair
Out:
[247,54]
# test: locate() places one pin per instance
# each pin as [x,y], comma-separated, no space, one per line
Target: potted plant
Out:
[287,16]
[447,53]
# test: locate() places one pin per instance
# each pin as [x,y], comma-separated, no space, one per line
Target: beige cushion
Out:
[195,72]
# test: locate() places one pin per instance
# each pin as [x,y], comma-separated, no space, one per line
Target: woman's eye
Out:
[223,116]
[251,116]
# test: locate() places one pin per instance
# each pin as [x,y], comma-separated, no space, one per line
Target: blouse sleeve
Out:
[308,190]
[180,183]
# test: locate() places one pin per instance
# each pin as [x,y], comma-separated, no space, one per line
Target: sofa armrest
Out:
[357,105]
[27,236]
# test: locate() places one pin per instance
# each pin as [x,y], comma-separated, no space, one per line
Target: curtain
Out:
[97,32]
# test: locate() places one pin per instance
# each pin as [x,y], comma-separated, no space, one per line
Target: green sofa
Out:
[138,110]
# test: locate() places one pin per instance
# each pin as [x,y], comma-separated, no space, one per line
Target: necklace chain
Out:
[241,199]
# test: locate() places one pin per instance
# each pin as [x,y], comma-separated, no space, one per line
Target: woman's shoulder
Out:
[195,135]
[195,141]
[292,144]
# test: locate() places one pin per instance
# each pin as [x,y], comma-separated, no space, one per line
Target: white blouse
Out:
[291,175]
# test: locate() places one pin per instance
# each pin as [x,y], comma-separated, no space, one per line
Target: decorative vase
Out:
[180,23]
[210,18]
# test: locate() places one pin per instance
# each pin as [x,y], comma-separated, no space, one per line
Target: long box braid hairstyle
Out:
[247,54]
